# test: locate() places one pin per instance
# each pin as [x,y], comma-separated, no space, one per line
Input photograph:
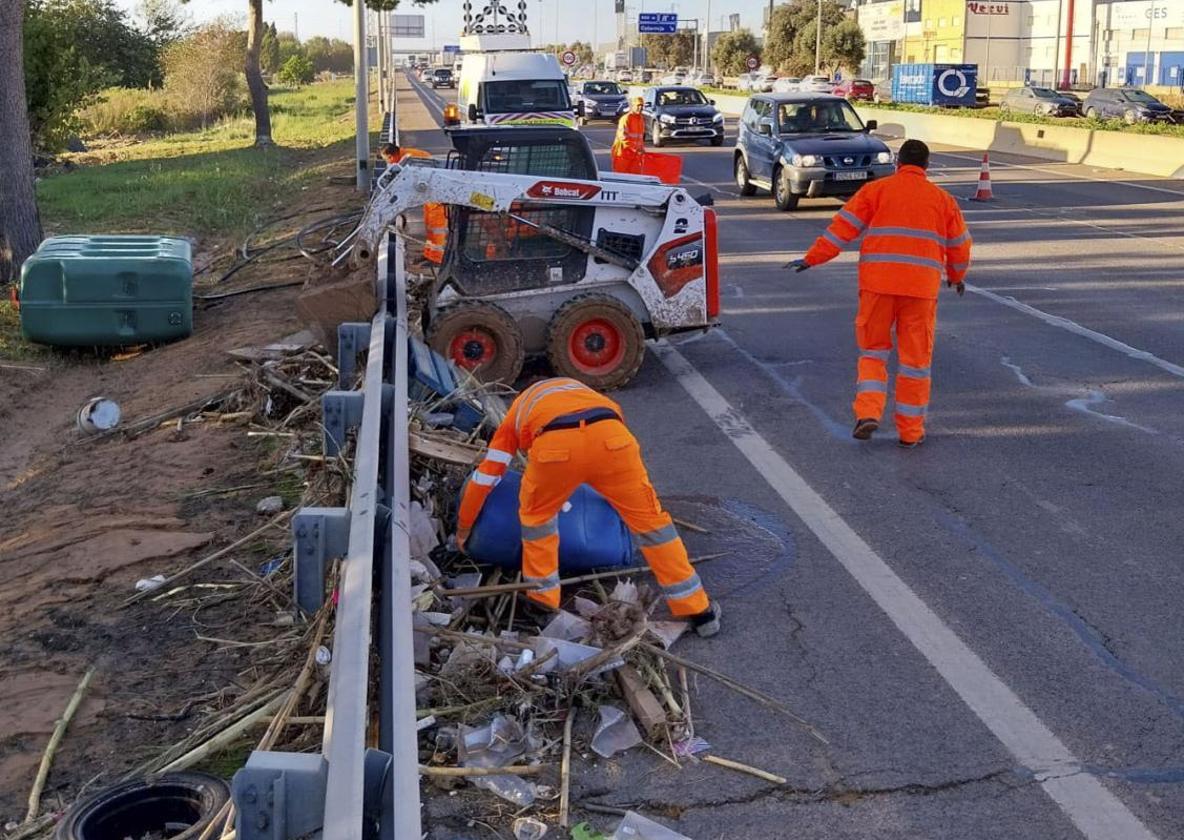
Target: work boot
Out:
[706,623]
[911,444]
[864,427]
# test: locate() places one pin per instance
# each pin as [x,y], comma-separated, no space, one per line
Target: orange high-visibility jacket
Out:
[912,230]
[630,134]
[533,409]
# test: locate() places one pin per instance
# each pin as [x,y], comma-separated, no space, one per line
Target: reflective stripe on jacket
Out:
[912,231]
[533,409]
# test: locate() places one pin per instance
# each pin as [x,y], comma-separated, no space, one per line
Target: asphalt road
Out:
[987,629]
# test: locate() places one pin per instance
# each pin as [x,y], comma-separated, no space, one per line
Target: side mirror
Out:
[765,127]
[710,101]
[472,113]
[872,125]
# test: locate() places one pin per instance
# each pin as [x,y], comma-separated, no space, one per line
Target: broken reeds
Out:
[59,731]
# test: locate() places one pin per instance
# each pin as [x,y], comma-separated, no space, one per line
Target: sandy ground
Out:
[83,520]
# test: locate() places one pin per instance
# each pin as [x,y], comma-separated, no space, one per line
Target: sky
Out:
[443,18]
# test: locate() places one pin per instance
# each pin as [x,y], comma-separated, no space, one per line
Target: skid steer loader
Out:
[581,270]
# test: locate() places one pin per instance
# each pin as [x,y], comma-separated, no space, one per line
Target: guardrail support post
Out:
[352,339]
[279,795]
[319,535]
[342,413]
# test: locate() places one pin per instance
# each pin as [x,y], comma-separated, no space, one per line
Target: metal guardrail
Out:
[349,791]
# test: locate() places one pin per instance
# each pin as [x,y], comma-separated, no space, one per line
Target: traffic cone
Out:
[984,181]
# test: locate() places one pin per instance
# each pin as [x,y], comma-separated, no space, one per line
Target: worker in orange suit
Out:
[573,435]
[435,216]
[629,146]
[912,231]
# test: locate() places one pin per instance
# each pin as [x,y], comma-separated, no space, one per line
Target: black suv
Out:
[599,100]
[677,112]
[1129,104]
[441,77]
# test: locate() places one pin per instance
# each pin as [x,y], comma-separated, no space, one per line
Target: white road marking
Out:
[1177,193]
[1097,813]
[1078,329]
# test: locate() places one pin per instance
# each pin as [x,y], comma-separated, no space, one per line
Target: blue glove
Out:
[797,265]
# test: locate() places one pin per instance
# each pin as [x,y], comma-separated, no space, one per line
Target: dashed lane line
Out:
[1097,813]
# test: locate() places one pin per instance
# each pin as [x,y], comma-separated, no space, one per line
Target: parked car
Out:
[882,91]
[786,84]
[816,84]
[707,79]
[854,90]
[806,145]
[678,113]
[441,77]
[763,83]
[624,76]
[744,81]
[1078,101]
[1038,100]
[1129,104]
[599,100]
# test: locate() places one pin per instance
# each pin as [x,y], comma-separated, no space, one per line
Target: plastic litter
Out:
[570,654]
[497,744]
[423,536]
[569,627]
[270,505]
[148,584]
[636,827]
[528,828]
[323,655]
[625,592]
[690,746]
[98,415]
[667,632]
[586,607]
[615,733]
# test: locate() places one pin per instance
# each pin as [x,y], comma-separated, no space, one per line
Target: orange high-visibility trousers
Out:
[606,456]
[435,222]
[915,320]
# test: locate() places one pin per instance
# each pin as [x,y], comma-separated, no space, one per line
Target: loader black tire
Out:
[597,340]
[481,338]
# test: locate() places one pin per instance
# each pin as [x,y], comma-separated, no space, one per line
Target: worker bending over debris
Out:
[912,230]
[573,435]
[628,150]
[435,216]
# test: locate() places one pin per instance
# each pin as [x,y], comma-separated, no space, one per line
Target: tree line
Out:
[789,46]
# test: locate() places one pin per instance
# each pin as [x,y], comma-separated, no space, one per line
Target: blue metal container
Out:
[947,85]
[591,534]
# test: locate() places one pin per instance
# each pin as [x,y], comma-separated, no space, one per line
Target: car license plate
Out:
[851,176]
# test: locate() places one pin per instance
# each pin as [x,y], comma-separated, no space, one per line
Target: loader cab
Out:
[493,254]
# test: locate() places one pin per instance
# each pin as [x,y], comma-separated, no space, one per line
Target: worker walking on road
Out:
[912,230]
[573,435]
[629,146]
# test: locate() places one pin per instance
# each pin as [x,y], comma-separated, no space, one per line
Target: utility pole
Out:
[296,25]
[707,42]
[361,97]
[818,42]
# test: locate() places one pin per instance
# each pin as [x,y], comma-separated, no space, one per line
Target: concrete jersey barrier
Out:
[1146,154]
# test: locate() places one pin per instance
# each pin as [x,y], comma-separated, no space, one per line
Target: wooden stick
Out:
[226,737]
[565,770]
[502,588]
[55,739]
[738,687]
[511,770]
[217,555]
[28,829]
[276,728]
[690,526]
[744,768]
[217,822]
[472,637]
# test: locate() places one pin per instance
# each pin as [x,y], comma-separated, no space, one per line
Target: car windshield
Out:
[861,83]
[444,73]
[807,117]
[1140,96]
[681,97]
[602,88]
[1044,93]
[517,95]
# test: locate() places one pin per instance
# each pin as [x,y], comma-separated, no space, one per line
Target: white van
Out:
[514,88]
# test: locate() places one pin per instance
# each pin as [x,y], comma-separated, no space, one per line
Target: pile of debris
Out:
[500,681]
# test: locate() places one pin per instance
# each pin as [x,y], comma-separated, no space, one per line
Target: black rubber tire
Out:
[743,182]
[491,324]
[1130,117]
[1092,113]
[656,135]
[578,312]
[783,197]
[142,807]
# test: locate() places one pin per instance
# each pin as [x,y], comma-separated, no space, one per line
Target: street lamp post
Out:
[818,42]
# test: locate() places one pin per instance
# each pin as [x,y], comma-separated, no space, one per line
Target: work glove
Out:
[797,265]
[960,288]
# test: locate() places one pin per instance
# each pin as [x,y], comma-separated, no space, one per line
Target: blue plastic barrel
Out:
[591,534]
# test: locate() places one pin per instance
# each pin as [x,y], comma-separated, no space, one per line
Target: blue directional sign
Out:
[657,23]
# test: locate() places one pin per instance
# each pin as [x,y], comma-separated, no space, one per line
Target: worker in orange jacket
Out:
[912,230]
[573,435]
[435,216]
[629,146]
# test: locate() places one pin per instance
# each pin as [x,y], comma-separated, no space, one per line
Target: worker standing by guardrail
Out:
[912,230]
[629,146]
[573,435]
[435,216]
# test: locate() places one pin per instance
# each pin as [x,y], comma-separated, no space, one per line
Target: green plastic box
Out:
[79,291]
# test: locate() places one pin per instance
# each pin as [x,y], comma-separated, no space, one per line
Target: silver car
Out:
[816,84]
[1038,100]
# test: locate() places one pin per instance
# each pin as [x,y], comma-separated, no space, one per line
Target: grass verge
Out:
[13,347]
[212,181]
